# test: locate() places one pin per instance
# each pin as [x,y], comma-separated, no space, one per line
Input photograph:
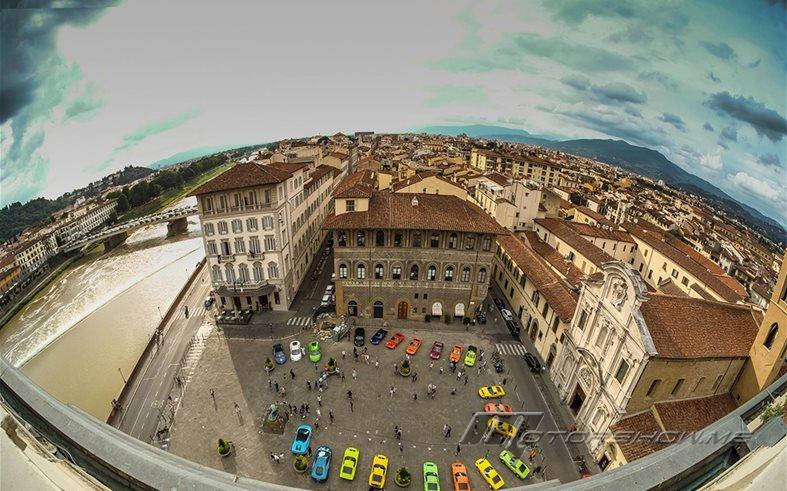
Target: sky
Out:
[87,88]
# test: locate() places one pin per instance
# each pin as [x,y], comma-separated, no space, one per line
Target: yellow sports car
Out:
[502,427]
[349,463]
[489,473]
[491,392]
[379,469]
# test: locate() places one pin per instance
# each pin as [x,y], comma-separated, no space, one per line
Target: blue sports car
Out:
[278,354]
[378,336]
[303,438]
[322,462]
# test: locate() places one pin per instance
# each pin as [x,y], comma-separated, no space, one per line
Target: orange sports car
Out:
[395,340]
[459,475]
[496,407]
[412,348]
[456,353]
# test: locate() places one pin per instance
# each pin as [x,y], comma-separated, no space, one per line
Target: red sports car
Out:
[395,340]
[437,350]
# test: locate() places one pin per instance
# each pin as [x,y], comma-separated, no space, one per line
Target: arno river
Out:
[82,334]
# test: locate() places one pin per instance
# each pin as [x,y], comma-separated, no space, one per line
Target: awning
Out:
[459,310]
[238,290]
[437,308]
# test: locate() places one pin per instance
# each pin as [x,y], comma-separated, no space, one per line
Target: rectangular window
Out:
[486,244]
[350,203]
[398,239]
[254,245]
[583,319]
[240,246]
[270,243]
[674,273]
[415,296]
[396,272]
[653,387]
[212,248]
[677,387]
[717,382]
[208,229]
[237,226]
[416,239]
[267,222]
[685,281]
[623,369]
[267,197]
[251,224]
[697,385]
[222,227]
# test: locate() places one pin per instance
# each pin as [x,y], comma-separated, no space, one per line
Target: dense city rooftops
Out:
[586,229]
[359,184]
[562,230]
[554,258]
[684,327]
[406,211]
[249,175]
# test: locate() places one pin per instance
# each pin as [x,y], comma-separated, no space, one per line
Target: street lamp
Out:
[121,376]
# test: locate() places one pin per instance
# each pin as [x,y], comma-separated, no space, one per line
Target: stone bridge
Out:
[115,235]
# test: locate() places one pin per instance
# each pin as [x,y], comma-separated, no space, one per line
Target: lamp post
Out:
[122,377]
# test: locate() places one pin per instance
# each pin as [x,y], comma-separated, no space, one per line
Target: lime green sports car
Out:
[349,463]
[519,468]
[431,479]
[314,351]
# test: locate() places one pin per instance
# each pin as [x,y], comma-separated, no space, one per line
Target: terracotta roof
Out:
[359,184]
[562,266]
[412,180]
[668,287]
[586,229]
[433,212]
[692,261]
[498,178]
[248,175]
[319,172]
[550,285]
[684,327]
[686,416]
[567,234]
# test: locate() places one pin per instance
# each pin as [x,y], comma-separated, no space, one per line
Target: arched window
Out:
[352,308]
[482,275]
[257,268]
[769,339]
[343,271]
[414,272]
[435,240]
[229,273]
[379,272]
[217,273]
[243,271]
[465,274]
[377,311]
[470,242]
[396,272]
[273,270]
[379,240]
[431,273]
[360,272]
[342,238]
[449,273]
[360,238]
[453,241]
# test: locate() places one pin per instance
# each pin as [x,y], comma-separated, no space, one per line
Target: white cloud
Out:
[752,185]
[711,160]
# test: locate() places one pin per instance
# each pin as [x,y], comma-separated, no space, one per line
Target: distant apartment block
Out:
[514,203]
[83,220]
[517,166]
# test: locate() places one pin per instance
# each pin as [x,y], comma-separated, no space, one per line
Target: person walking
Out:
[441,370]
[330,415]
[401,447]
[309,384]
[307,408]
[351,406]
[292,374]
[415,376]
[396,368]
[319,400]
[392,390]
[276,386]
[415,396]
[213,395]
[377,364]
[504,380]
[465,380]
[448,433]
[458,449]
[319,413]
[349,394]
[355,375]
[431,364]
[344,354]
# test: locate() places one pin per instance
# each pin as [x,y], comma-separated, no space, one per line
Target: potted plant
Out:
[300,464]
[224,447]
[404,369]
[403,477]
[331,366]
[269,365]
[427,318]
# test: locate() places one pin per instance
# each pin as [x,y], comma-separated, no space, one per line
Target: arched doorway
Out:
[401,310]
[552,355]
[378,310]
[437,309]
[459,310]
[352,308]
[533,330]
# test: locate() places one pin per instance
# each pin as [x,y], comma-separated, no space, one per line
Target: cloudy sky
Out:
[86,91]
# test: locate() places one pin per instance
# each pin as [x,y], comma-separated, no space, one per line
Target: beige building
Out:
[262,228]
[83,220]
[409,256]
[768,354]
[514,203]
[517,166]
[429,183]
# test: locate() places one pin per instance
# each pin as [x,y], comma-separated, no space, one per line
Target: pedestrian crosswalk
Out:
[300,321]
[195,312]
[511,349]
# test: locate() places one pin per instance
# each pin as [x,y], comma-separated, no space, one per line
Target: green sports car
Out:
[519,468]
[349,463]
[470,355]
[314,351]
[431,479]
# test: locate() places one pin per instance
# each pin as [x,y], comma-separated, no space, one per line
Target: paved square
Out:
[233,368]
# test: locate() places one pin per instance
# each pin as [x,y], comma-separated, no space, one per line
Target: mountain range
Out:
[632,158]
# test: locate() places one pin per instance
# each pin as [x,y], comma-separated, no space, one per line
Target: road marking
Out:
[299,321]
[511,349]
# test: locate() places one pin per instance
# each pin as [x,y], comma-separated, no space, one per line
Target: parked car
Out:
[333,277]
[459,476]
[378,337]
[303,437]
[470,356]
[395,340]
[296,351]
[489,473]
[314,351]
[431,478]
[456,353]
[378,472]
[327,300]
[502,427]
[330,289]
[349,463]
[278,354]
[412,348]
[516,465]
[498,302]
[507,315]
[437,350]
[533,363]
[513,327]
[497,407]
[491,392]
[322,463]
[360,336]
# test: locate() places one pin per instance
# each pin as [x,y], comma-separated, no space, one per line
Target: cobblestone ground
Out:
[233,368]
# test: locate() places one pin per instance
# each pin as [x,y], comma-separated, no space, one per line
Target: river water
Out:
[81,336]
